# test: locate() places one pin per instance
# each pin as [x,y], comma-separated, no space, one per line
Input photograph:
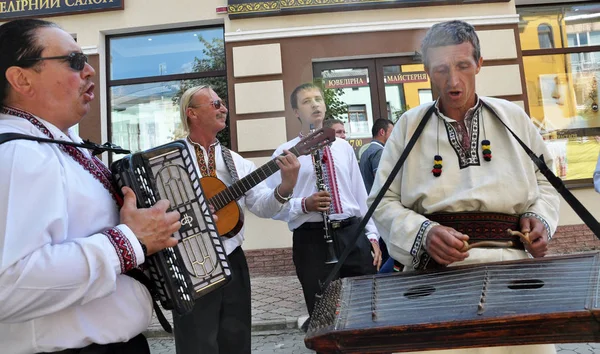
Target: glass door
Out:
[358,92]
[403,84]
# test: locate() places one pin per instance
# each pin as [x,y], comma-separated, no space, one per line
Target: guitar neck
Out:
[239,188]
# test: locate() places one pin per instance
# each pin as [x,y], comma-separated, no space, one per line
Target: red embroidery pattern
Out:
[123,247]
[94,166]
[205,170]
[336,202]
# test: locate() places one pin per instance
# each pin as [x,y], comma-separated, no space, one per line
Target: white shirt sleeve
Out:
[44,270]
[293,208]
[260,199]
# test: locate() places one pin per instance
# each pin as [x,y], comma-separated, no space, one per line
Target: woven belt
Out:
[481,226]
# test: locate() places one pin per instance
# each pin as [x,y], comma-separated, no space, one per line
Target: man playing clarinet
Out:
[330,197]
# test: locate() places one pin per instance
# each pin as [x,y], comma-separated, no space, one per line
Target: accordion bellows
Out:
[198,264]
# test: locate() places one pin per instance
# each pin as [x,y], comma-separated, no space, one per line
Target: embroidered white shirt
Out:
[60,278]
[260,199]
[510,183]
[350,186]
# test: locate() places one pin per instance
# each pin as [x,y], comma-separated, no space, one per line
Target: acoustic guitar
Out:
[224,199]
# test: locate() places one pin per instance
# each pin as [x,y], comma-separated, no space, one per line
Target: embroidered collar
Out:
[469,115]
[214,144]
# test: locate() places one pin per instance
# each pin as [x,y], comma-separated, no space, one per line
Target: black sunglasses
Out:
[76,60]
[216,104]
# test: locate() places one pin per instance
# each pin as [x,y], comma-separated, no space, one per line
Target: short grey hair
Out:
[450,33]
[184,104]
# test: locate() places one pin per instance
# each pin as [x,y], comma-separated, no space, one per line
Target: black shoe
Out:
[305,325]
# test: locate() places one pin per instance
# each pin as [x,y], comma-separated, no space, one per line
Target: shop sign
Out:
[12,9]
[346,81]
[404,78]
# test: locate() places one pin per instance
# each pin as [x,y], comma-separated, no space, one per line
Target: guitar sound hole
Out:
[419,291]
[526,284]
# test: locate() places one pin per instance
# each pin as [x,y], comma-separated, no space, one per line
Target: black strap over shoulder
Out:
[95,148]
[555,181]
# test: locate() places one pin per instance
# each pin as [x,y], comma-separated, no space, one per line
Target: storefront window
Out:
[561,58]
[148,74]
[352,89]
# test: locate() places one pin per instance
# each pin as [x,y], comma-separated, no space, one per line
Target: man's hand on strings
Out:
[153,226]
[444,245]
[376,253]
[537,236]
[289,166]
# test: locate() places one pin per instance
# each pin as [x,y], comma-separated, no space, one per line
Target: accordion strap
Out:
[95,148]
[138,275]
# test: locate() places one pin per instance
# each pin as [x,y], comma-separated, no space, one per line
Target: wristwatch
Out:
[281,198]
[144,249]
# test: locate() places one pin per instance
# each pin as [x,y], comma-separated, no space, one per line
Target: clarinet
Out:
[331,258]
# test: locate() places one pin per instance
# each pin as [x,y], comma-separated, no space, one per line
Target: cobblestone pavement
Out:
[291,342]
[277,303]
[276,300]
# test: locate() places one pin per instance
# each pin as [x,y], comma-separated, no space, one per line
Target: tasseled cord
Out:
[437,159]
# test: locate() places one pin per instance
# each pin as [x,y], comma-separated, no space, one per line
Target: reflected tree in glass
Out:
[213,60]
[336,108]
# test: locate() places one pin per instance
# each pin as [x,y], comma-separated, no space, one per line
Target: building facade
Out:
[542,55]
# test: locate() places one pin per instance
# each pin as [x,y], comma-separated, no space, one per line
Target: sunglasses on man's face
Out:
[76,60]
[216,104]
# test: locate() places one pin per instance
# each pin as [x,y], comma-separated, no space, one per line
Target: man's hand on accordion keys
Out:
[152,226]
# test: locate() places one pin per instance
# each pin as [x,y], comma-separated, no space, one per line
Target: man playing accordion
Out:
[64,245]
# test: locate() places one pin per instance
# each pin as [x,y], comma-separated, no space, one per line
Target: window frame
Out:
[577,183]
[110,83]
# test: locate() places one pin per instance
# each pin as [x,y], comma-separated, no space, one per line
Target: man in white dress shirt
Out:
[64,246]
[426,215]
[220,322]
[345,201]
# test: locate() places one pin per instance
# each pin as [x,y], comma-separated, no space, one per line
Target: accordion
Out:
[198,264]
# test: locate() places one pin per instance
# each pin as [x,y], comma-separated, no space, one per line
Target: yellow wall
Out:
[411,89]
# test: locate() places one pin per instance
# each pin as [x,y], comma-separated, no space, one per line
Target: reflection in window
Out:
[425,96]
[145,115]
[149,72]
[159,54]
[358,123]
[545,36]
[567,113]
[546,27]
[348,98]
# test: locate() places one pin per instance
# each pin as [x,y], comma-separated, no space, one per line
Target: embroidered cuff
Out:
[530,214]
[420,257]
[303,203]
[123,247]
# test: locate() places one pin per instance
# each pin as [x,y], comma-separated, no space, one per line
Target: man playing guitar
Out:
[221,321]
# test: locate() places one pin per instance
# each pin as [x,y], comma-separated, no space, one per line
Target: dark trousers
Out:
[309,252]
[136,345]
[220,322]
